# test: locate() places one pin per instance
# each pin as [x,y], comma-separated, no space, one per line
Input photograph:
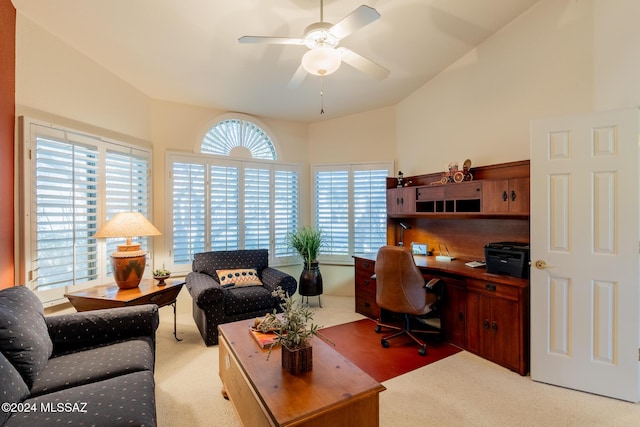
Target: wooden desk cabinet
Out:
[401,200]
[485,314]
[365,288]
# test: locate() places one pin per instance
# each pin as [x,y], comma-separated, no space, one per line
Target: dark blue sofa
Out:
[92,368]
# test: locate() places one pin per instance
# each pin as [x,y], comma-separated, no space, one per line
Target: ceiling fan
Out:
[322,38]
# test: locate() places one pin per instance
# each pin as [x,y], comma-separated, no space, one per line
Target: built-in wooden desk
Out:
[334,393]
[486,314]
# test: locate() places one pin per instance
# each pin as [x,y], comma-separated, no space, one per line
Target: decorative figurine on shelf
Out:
[454,174]
[400,179]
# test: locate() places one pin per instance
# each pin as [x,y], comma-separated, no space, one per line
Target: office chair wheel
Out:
[378,329]
[422,351]
[384,343]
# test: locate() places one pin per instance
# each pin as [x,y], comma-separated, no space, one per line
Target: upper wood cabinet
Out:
[506,196]
[499,190]
[401,200]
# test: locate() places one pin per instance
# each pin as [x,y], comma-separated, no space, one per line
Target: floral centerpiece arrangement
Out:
[293,329]
[161,274]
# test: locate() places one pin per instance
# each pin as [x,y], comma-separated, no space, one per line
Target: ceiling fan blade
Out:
[357,19]
[298,78]
[363,64]
[271,40]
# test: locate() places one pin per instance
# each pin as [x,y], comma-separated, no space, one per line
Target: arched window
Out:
[231,193]
[238,137]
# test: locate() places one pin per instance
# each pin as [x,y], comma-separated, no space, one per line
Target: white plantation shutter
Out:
[227,135]
[350,207]
[126,179]
[257,208]
[73,182]
[249,205]
[188,202]
[285,210]
[225,208]
[332,210]
[369,210]
[66,201]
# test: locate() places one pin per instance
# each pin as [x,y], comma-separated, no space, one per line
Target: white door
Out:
[585,284]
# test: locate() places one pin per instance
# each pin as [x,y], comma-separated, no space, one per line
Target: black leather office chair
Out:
[401,288]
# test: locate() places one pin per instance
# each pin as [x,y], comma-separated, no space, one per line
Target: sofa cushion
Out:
[126,400]
[14,389]
[247,299]
[24,338]
[239,277]
[96,364]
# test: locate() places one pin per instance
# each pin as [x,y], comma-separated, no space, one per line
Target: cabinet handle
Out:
[155,298]
[505,197]
[485,324]
[402,201]
[366,265]
[397,200]
[366,304]
[490,287]
[513,196]
[494,327]
[365,282]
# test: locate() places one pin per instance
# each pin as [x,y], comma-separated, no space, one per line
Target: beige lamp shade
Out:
[128,261]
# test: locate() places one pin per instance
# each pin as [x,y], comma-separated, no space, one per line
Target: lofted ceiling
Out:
[187,51]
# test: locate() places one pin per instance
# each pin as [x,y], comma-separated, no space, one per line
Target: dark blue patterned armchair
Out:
[239,296]
[89,368]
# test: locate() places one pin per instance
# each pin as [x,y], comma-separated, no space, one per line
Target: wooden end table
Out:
[111,296]
[334,393]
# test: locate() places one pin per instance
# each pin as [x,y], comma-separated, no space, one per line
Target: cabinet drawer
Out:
[486,287]
[465,190]
[430,193]
[368,307]
[365,284]
[365,265]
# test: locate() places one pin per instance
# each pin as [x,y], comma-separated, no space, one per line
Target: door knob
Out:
[540,264]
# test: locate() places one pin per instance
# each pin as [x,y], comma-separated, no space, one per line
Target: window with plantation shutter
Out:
[257,208]
[189,214]
[246,204]
[225,208]
[73,183]
[350,208]
[285,210]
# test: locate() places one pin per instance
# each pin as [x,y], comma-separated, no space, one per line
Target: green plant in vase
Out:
[307,242]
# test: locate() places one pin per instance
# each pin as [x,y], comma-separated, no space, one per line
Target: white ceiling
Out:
[187,51]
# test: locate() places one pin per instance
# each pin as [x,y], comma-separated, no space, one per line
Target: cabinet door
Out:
[505,342]
[454,313]
[519,195]
[493,329]
[505,196]
[401,200]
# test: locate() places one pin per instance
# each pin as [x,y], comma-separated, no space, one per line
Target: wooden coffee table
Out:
[334,393]
[111,296]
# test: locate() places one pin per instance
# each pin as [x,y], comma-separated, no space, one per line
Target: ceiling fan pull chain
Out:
[321,95]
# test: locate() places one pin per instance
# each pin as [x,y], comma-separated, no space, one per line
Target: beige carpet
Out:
[461,390]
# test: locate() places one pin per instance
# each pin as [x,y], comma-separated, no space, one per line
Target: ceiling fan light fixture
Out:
[321,61]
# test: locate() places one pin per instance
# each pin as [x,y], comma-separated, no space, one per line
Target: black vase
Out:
[310,280]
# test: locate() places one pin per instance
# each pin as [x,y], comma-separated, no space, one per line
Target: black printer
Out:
[510,258]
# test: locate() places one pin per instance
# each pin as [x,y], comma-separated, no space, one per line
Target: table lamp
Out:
[129,260]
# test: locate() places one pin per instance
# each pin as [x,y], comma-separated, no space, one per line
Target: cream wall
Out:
[617,54]
[54,80]
[539,65]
